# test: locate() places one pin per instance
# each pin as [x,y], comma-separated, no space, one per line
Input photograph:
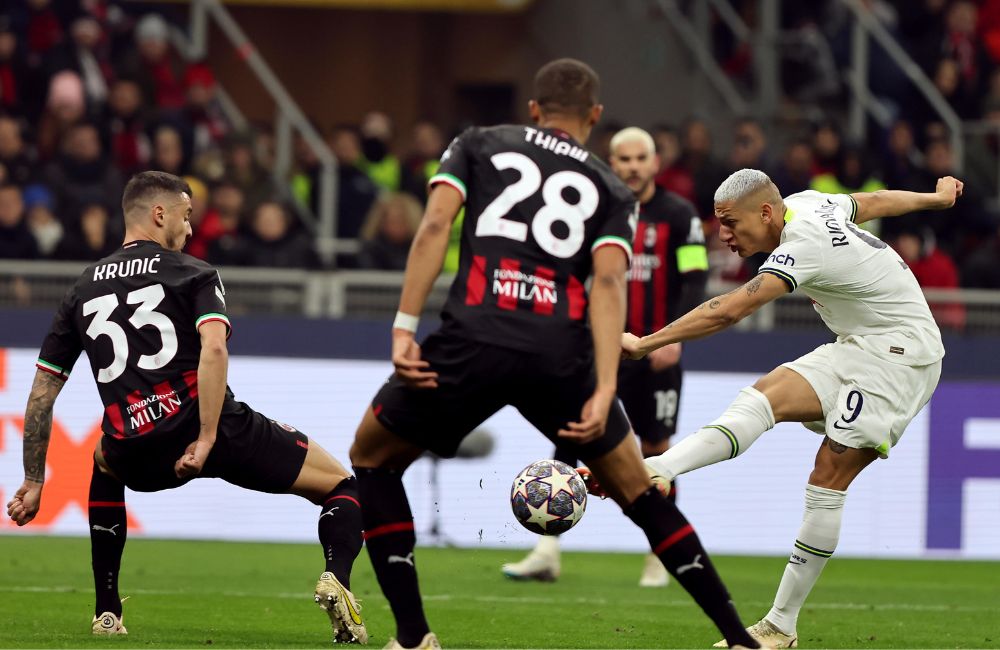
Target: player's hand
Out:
[593,418]
[631,347]
[948,190]
[413,370]
[666,357]
[24,505]
[193,460]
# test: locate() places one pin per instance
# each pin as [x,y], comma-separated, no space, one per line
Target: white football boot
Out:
[541,564]
[654,574]
[429,642]
[767,636]
[108,624]
[343,609]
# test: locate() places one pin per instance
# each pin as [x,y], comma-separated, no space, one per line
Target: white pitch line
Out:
[527,600]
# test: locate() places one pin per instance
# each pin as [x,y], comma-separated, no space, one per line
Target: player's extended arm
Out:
[893,203]
[607,322]
[422,267]
[692,294]
[213,368]
[24,505]
[710,317]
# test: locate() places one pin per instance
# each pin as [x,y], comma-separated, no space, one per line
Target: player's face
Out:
[176,222]
[743,227]
[635,164]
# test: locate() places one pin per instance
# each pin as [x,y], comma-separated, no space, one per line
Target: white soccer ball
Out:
[548,497]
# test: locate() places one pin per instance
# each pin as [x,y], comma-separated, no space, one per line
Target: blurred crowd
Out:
[91,93]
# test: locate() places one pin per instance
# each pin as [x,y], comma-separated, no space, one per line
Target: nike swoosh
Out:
[350,607]
[836,425]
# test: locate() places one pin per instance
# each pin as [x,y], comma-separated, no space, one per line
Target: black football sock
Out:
[340,529]
[674,541]
[108,530]
[390,538]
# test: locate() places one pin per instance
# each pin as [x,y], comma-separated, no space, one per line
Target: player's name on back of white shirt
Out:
[127,268]
[554,144]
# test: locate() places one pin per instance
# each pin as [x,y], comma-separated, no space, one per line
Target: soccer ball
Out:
[548,497]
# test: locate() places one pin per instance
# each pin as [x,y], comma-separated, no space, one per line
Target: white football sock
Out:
[730,435]
[548,545]
[815,544]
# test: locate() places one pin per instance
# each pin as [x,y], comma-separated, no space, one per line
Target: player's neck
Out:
[647,193]
[138,234]
[573,128]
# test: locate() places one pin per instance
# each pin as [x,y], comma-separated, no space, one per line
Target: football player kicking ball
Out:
[860,391]
[541,216]
[153,323]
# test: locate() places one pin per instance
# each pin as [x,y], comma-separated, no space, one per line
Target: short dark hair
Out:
[142,187]
[567,86]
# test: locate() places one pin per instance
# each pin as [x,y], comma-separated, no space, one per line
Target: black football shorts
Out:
[651,398]
[475,380]
[250,451]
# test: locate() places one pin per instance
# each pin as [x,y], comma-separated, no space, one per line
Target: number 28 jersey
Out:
[136,313]
[537,204]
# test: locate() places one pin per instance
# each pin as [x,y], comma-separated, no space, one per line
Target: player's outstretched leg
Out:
[543,562]
[727,437]
[108,531]
[379,458]
[670,536]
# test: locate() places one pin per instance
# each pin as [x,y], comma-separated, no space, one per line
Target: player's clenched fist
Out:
[631,348]
[409,366]
[948,190]
[24,505]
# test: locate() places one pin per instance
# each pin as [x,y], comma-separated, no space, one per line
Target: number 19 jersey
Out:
[537,204]
[136,313]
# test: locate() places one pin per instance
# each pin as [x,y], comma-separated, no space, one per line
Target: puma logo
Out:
[694,565]
[328,512]
[107,530]
[396,559]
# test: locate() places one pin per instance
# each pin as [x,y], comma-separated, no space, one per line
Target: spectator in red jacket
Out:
[934,269]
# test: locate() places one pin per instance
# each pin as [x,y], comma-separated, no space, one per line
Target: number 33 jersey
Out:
[537,204]
[861,288]
[136,313]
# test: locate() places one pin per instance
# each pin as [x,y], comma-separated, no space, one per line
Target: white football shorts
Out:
[867,401]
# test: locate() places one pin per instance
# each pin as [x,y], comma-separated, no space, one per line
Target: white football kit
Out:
[886,361]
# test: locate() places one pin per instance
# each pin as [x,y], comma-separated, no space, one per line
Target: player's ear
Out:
[535,111]
[766,212]
[159,214]
[595,113]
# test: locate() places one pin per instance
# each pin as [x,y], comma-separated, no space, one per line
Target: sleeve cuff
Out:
[611,240]
[788,279]
[448,179]
[222,318]
[52,369]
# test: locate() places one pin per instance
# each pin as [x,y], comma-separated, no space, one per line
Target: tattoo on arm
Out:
[38,424]
[714,304]
[753,286]
[836,447]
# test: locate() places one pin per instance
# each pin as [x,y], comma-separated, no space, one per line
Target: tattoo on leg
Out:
[835,446]
[753,286]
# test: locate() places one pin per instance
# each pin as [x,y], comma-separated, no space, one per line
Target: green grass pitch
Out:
[224,594]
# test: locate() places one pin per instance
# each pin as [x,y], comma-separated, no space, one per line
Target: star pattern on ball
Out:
[541,516]
[557,482]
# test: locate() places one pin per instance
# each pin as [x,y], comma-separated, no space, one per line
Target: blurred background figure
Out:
[388,231]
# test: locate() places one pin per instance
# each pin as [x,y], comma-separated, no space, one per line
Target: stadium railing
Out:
[375,295]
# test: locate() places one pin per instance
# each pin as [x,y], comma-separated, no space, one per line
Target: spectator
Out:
[749,146]
[66,105]
[44,30]
[388,232]
[934,269]
[962,45]
[82,174]
[202,111]
[901,155]
[377,159]
[706,170]
[125,124]
[243,169]
[93,238]
[827,144]
[222,218]
[84,55]
[795,172]
[357,192]
[14,74]
[981,269]
[982,156]
[306,175]
[853,174]
[426,148]
[155,65]
[672,175]
[199,201]
[21,169]
[271,242]
[16,240]
[168,151]
[42,222]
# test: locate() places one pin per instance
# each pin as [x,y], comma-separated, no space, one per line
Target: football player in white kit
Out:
[860,391]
